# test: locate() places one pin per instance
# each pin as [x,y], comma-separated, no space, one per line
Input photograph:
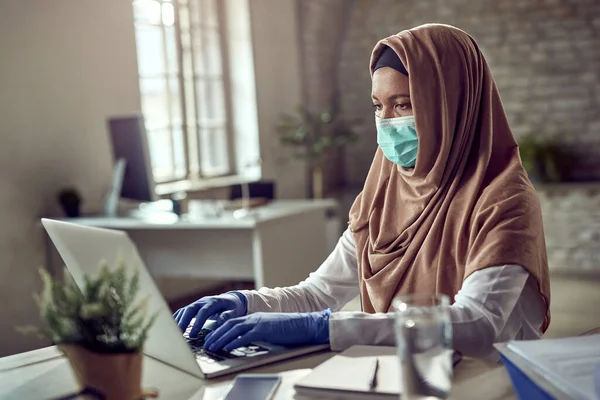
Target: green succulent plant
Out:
[101,318]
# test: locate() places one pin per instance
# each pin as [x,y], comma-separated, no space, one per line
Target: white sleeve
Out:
[333,285]
[495,304]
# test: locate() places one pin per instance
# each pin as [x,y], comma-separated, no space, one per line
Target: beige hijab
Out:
[468,204]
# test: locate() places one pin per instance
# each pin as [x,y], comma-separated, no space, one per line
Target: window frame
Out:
[193,136]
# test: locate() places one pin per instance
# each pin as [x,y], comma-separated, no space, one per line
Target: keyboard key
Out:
[215,356]
[198,341]
[258,353]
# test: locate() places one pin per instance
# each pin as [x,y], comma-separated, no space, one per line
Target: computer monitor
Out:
[130,147]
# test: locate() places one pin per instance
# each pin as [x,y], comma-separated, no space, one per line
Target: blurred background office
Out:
[213,79]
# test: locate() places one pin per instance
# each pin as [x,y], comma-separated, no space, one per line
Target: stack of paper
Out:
[569,363]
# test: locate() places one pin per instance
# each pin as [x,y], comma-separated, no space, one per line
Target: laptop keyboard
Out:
[197,346]
[198,342]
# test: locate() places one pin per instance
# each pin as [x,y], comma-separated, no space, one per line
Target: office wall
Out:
[278,88]
[66,65]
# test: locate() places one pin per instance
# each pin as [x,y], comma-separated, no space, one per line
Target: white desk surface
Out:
[194,220]
[45,374]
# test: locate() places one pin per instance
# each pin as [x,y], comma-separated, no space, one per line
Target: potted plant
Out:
[99,329]
[313,135]
[543,159]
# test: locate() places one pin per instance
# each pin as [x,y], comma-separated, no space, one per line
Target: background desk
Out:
[44,374]
[279,246]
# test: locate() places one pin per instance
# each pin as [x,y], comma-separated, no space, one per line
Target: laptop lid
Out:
[82,248]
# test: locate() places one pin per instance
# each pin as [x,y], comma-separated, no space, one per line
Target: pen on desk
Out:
[373,382]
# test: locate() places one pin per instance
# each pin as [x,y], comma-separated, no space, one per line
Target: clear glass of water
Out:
[424,344]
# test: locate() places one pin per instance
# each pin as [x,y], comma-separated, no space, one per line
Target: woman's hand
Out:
[275,328]
[226,306]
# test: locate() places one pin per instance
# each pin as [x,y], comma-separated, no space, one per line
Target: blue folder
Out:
[525,388]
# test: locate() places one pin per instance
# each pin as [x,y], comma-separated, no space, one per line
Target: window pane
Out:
[203,12]
[150,54]
[197,53]
[212,52]
[190,104]
[155,104]
[147,11]
[176,114]
[208,13]
[207,51]
[171,43]
[214,152]
[168,14]
[184,17]
[185,40]
[211,102]
[180,171]
[193,159]
[159,144]
[187,63]
[194,12]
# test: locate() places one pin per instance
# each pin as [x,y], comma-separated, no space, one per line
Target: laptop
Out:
[82,248]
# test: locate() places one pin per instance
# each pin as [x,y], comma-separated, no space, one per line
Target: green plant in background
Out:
[543,159]
[102,318]
[312,135]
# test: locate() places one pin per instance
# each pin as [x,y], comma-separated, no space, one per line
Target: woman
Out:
[446,208]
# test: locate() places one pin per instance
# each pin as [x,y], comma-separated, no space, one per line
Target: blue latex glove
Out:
[224,306]
[275,328]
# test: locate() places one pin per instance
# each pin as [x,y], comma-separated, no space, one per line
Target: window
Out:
[183,88]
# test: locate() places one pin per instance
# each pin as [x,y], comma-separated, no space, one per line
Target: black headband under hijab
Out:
[389,58]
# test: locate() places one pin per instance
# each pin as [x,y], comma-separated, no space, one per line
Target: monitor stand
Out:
[111,201]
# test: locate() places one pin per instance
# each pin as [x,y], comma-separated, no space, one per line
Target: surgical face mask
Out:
[397,138]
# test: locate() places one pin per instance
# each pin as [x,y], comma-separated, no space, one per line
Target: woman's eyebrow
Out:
[392,97]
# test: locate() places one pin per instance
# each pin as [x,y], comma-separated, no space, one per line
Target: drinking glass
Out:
[424,344]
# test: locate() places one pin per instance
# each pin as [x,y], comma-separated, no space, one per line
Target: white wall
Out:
[274,29]
[65,66]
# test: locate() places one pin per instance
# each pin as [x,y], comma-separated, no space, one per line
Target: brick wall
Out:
[545,56]
[571,215]
[323,27]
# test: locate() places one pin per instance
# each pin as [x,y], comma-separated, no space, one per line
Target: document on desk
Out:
[569,363]
[350,374]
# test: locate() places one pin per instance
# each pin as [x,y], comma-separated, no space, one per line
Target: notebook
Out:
[348,375]
[569,363]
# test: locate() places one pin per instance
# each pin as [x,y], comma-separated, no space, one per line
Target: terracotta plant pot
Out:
[117,376]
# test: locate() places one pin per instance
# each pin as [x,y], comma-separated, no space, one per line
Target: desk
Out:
[44,374]
[279,246]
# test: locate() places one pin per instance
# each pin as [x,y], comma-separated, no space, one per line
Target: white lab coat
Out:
[495,304]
